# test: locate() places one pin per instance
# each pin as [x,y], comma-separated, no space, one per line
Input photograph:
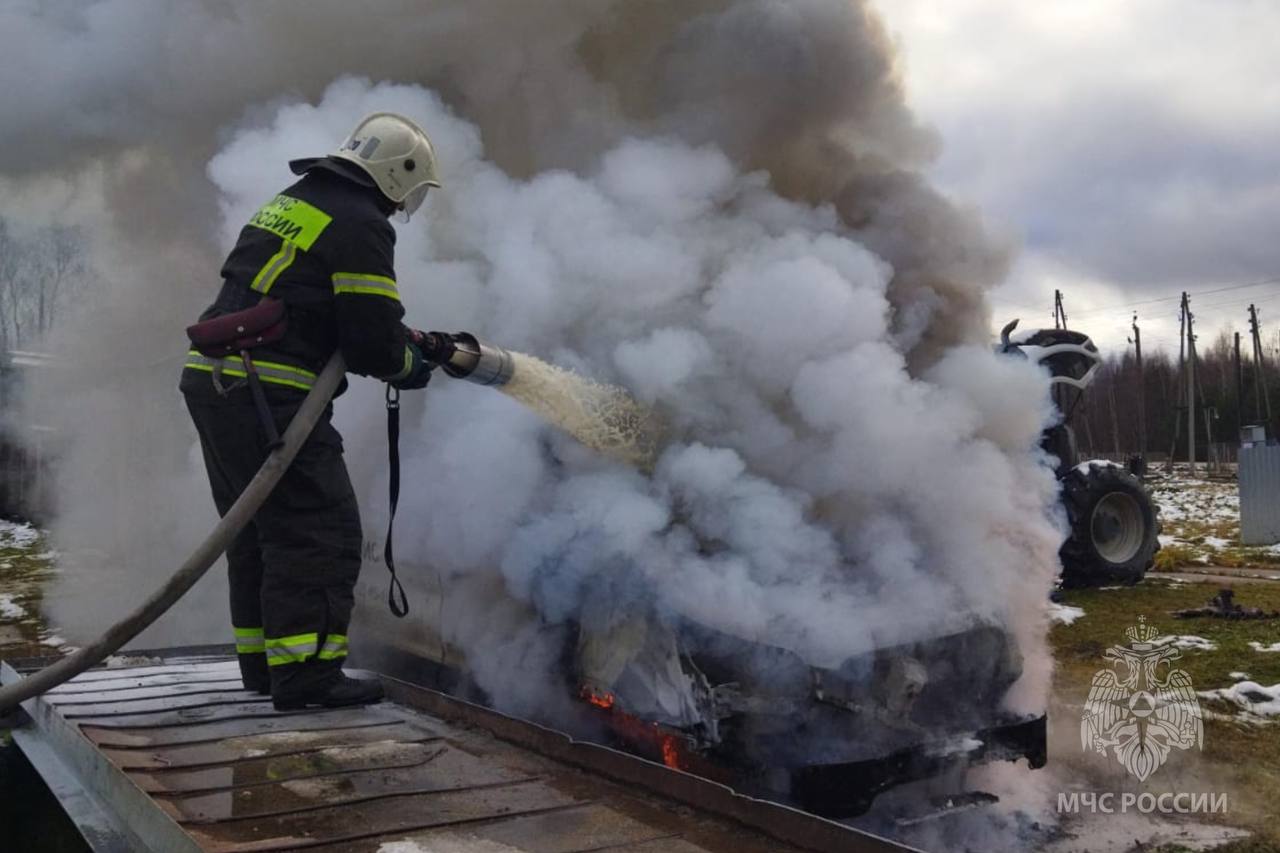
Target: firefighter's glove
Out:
[419,371]
[437,347]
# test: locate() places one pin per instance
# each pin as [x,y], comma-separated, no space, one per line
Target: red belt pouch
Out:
[241,331]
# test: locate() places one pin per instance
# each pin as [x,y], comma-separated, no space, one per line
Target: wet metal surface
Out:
[429,769]
[221,729]
[196,758]
[195,762]
[157,685]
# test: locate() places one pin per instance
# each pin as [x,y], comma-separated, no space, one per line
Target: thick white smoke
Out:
[848,504]
[715,203]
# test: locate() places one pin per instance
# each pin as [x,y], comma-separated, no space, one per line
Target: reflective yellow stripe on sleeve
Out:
[271,270]
[354,282]
[404,371]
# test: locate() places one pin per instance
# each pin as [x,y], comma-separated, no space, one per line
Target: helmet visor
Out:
[413,201]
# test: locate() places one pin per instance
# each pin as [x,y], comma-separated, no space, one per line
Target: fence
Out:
[1260,494]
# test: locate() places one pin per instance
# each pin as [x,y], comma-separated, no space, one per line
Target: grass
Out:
[1170,558]
[23,574]
[1239,756]
[1200,523]
[1190,548]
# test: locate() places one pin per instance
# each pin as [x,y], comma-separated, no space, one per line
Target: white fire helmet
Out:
[397,154]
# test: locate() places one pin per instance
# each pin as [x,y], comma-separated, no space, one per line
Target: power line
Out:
[1129,305]
[1245,301]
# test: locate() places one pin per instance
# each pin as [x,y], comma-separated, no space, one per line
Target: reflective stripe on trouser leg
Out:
[293,649]
[250,641]
[301,647]
[335,647]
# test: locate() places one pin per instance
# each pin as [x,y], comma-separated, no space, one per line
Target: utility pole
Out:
[1142,390]
[1211,456]
[1115,423]
[1211,462]
[1059,313]
[1085,412]
[1060,395]
[1260,371]
[1239,391]
[1181,385]
[1191,383]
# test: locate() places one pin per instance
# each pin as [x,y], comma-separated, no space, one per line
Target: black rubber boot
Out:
[254,675]
[341,692]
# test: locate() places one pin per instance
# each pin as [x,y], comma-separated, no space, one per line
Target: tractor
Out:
[1114,522]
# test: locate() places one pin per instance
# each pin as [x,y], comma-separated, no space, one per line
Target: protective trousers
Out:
[293,568]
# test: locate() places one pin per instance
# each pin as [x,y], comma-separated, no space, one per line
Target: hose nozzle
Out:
[463,357]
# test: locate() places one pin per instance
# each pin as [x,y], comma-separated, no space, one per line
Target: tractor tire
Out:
[1115,531]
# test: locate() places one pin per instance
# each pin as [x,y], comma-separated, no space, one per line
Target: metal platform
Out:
[176,756]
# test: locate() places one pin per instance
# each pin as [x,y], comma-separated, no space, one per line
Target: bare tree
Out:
[40,273]
[61,257]
[10,265]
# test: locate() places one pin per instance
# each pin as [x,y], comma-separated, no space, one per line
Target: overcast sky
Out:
[1132,146]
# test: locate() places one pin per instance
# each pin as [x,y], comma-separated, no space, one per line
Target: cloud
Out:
[1133,146]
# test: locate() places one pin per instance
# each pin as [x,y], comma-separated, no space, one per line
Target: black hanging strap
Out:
[260,402]
[400,609]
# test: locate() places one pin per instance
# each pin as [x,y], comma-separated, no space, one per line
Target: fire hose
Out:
[460,355]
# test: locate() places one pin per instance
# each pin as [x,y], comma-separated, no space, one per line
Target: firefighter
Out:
[324,248]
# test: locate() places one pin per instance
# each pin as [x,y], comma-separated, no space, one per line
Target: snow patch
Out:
[131,660]
[1062,614]
[10,609]
[15,535]
[1187,641]
[1238,676]
[1258,647]
[1084,467]
[1250,696]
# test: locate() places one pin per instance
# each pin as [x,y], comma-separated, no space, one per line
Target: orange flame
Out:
[670,752]
[600,700]
[645,734]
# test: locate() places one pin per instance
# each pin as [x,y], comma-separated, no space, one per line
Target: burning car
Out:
[756,717]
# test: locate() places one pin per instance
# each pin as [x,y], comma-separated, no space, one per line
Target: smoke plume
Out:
[716,204]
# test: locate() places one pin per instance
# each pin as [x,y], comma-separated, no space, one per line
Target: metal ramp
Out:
[176,756]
